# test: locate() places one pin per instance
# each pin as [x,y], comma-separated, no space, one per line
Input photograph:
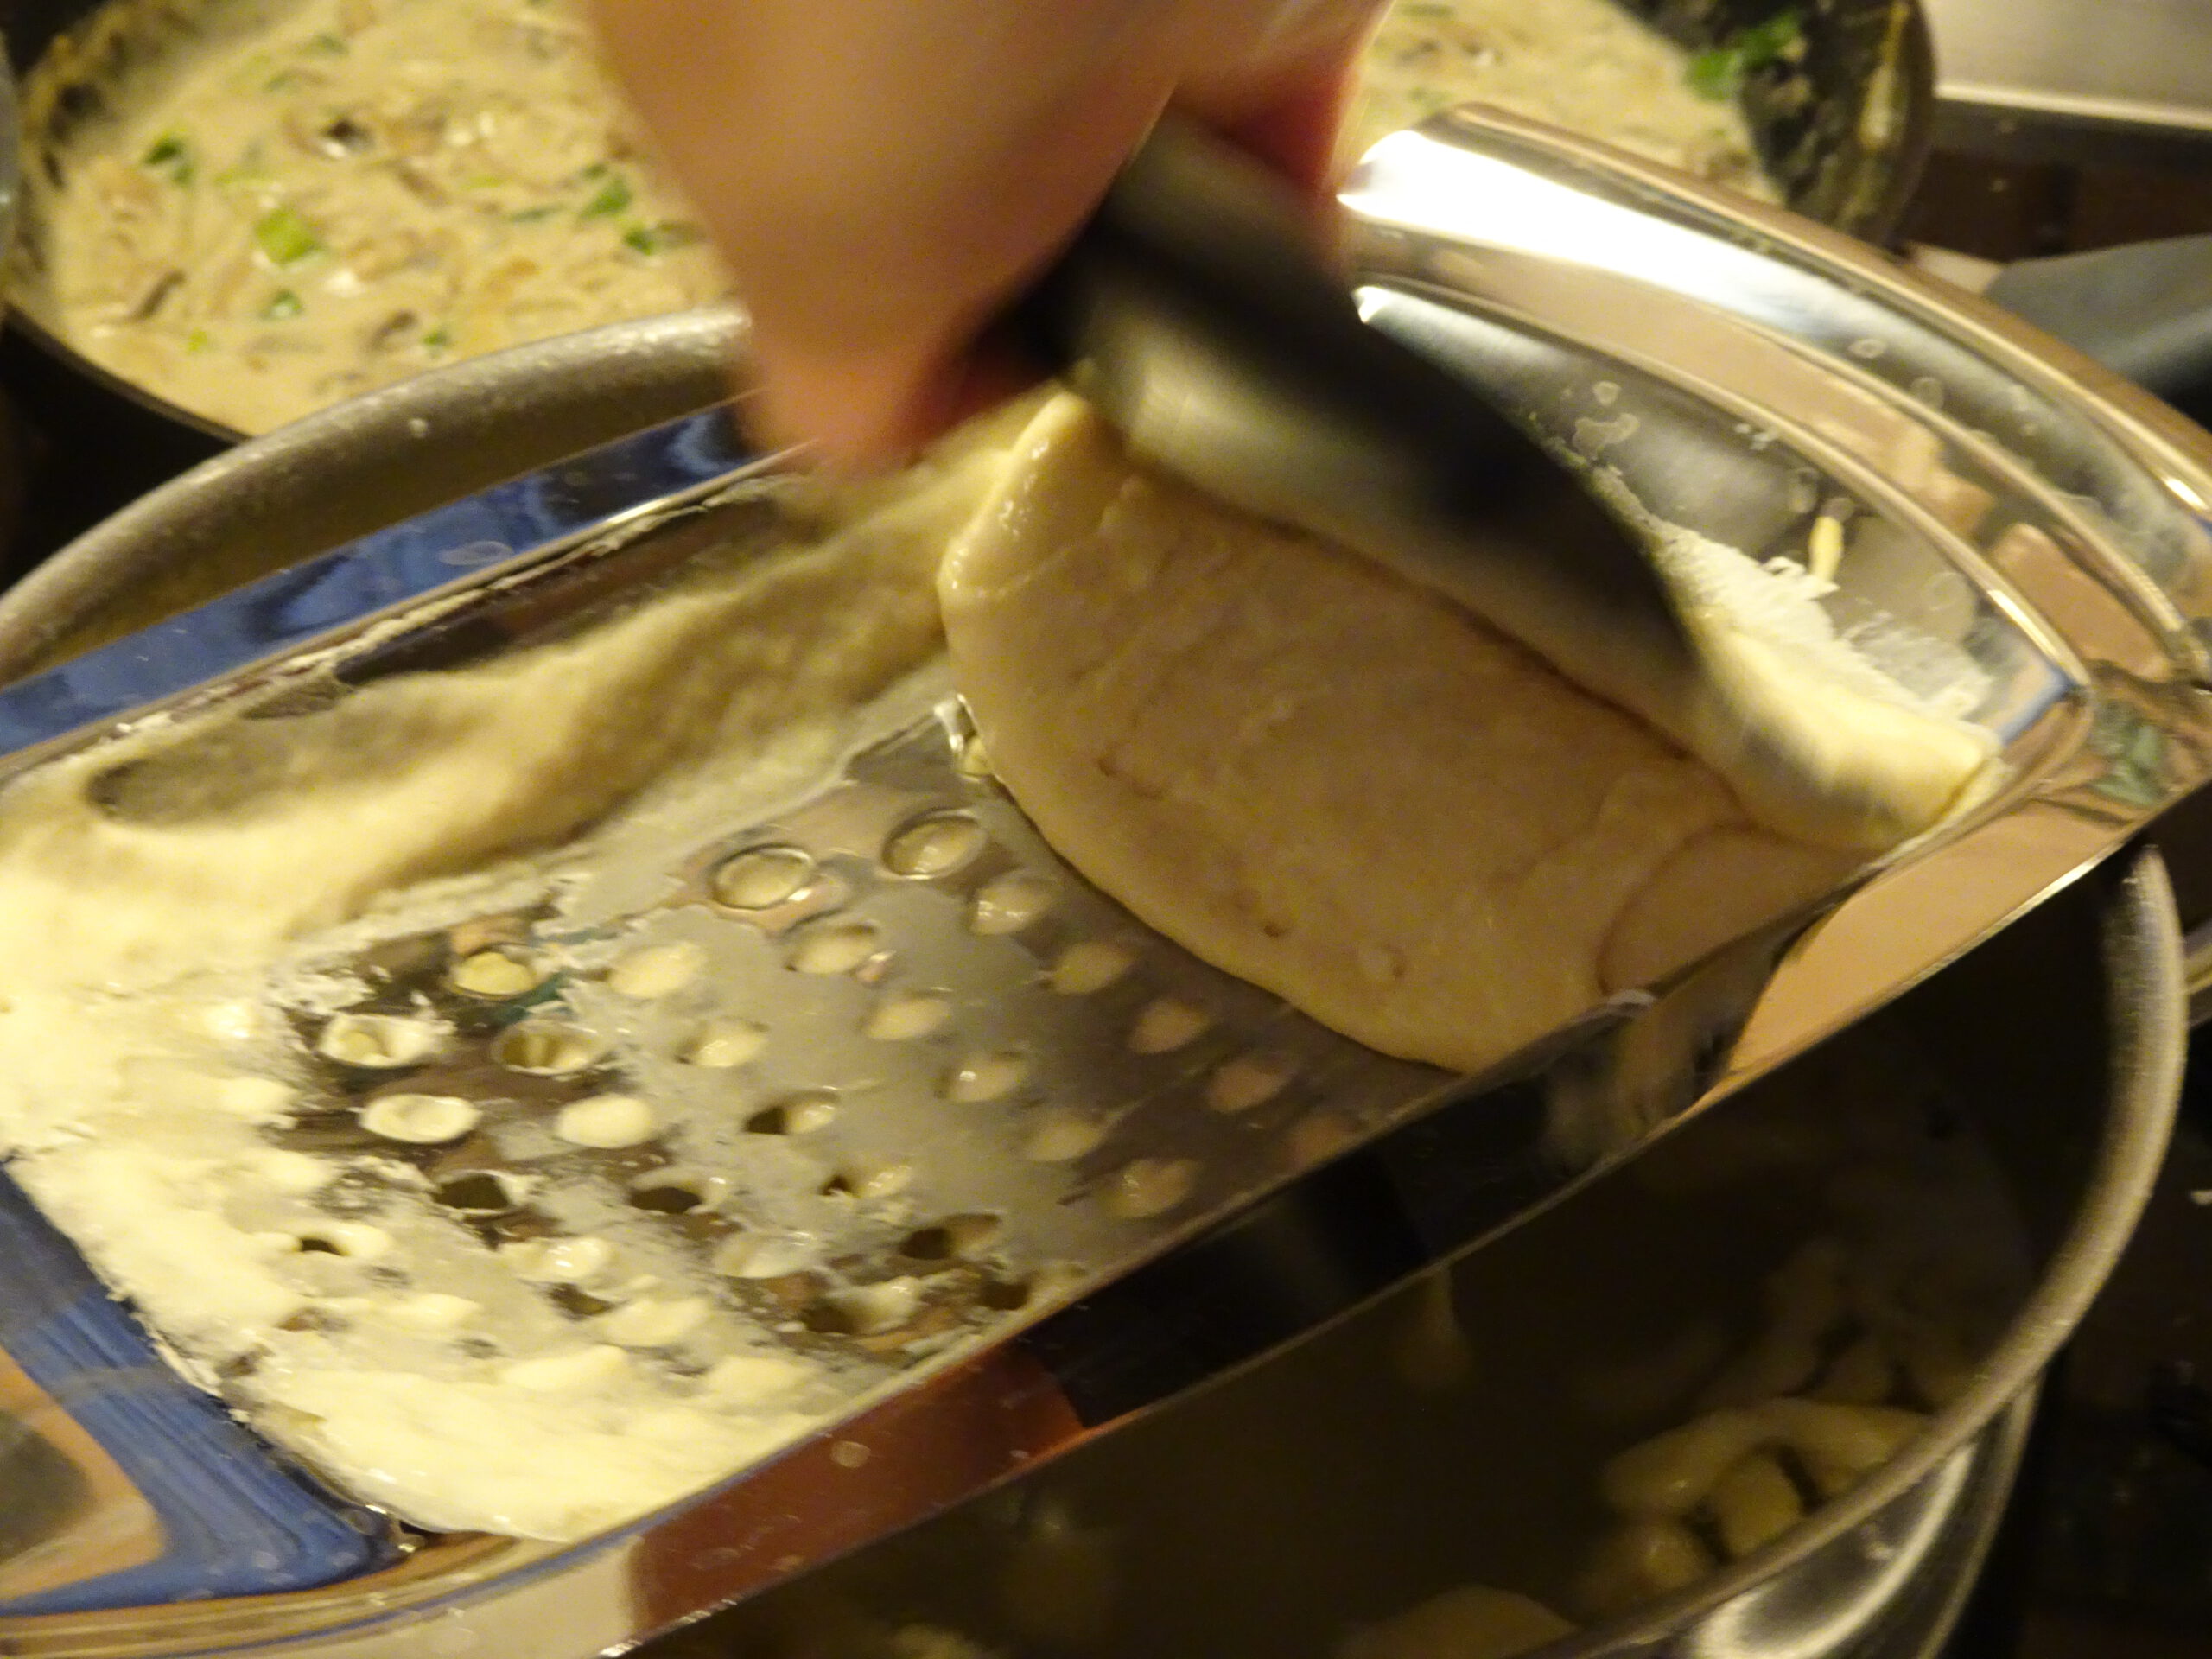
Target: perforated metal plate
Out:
[875,1074]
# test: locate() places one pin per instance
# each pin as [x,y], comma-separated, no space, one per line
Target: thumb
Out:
[863,410]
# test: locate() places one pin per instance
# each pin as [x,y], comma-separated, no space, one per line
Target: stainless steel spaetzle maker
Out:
[1223,1175]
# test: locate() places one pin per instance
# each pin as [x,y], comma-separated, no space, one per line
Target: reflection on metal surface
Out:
[442,1573]
[1582,1280]
[1846,1598]
[71,1513]
[531,518]
[2198,967]
[1954,375]
[120,1482]
[1780,377]
[2136,63]
[2065,505]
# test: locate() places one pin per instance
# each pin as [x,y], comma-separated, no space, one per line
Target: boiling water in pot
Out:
[1840,1236]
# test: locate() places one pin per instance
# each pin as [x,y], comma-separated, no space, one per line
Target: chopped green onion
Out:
[659,238]
[1718,71]
[170,153]
[1714,74]
[438,340]
[282,305]
[284,235]
[328,45]
[199,340]
[612,198]
[1780,36]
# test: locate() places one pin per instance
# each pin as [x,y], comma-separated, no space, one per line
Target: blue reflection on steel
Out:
[461,542]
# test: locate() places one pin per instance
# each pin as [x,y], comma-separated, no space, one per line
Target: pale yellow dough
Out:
[152,893]
[1334,784]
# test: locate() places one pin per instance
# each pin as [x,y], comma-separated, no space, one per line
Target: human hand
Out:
[883,177]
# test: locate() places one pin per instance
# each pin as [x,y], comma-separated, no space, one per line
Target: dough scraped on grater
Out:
[1343,787]
[531,1091]
[193,1092]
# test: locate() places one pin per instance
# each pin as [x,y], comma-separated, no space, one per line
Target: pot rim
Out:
[39,611]
[2146,1006]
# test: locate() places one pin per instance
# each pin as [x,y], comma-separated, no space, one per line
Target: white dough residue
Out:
[152,895]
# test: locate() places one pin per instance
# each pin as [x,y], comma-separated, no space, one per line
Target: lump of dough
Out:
[1325,780]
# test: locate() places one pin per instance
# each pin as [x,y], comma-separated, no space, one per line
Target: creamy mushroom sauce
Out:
[325,196]
[1585,65]
[297,200]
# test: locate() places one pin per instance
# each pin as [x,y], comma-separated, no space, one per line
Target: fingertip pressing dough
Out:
[1339,786]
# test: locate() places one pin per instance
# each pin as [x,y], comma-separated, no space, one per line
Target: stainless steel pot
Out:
[2076,1119]
[2078,1124]
[1260,1518]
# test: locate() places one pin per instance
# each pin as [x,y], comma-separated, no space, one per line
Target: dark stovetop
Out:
[2107,1552]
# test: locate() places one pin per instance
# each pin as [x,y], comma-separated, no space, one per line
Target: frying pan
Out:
[1844,130]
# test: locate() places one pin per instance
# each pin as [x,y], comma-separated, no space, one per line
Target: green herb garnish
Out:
[613,196]
[329,46]
[282,306]
[439,339]
[284,235]
[1718,73]
[532,215]
[199,340]
[172,154]
[660,239]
